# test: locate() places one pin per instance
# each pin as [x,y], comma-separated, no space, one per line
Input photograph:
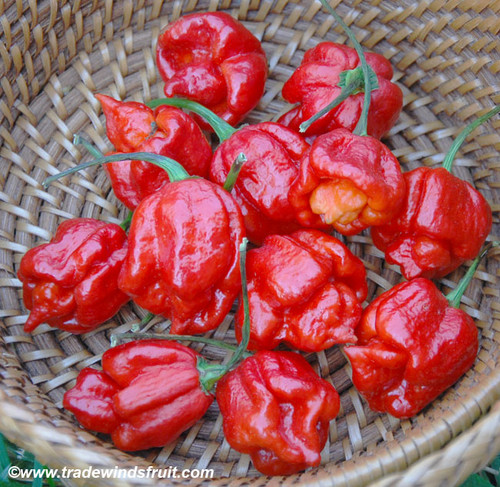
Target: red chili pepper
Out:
[413,343]
[273,153]
[277,409]
[305,289]
[314,84]
[444,221]
[348,182]
[147,394]
[213,59]
[183,254]
[71,282]
[167,131]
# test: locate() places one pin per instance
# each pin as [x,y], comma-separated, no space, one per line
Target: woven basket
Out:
[56,54]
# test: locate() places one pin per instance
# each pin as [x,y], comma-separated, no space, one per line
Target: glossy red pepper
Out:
[348,182]
[213,59]
[147,394]
[443,223]
[305,289]
[277,409]
[314,84]
[261,190]
[412,346]
[168,131]
[183,255]
[71,282]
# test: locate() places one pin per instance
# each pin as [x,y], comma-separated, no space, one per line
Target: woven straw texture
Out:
[56,54]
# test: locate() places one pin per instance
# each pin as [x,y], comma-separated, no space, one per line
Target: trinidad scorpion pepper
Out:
[315,83]
[71,282]
[348,182]
[413,343]
[444,220]
[183,255]
[305,289]
[213,59]
[261,190]
[147,394]
[167,131]
[277,409]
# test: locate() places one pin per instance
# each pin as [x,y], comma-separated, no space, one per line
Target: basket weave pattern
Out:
[55,55]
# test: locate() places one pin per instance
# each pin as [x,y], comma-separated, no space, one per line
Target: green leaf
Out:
[4,475]
[24,460]
[52,482]
[476,481]
[37,481]
[495,465]
[12,483]
[4,456]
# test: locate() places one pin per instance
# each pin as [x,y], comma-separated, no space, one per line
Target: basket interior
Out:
[55,57]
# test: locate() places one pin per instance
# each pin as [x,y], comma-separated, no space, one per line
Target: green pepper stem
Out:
[125,224]
[456,295]
[174,170]
[361,126]
[136,328]
[220,126]
[344,95]
[245,332]
[457,143]
[187,338]
[234,172]
[94,151]
[211,373]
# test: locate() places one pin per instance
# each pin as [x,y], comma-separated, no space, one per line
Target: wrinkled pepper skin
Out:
[305,289]
[313,86]
[277,409]
[167,131]
[147,394]
[213,59]
[183,255]
[71,282]
[273,153]
[412,346]
[443,223]
[347,182]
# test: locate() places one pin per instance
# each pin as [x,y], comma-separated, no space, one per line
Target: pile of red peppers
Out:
[182,253]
